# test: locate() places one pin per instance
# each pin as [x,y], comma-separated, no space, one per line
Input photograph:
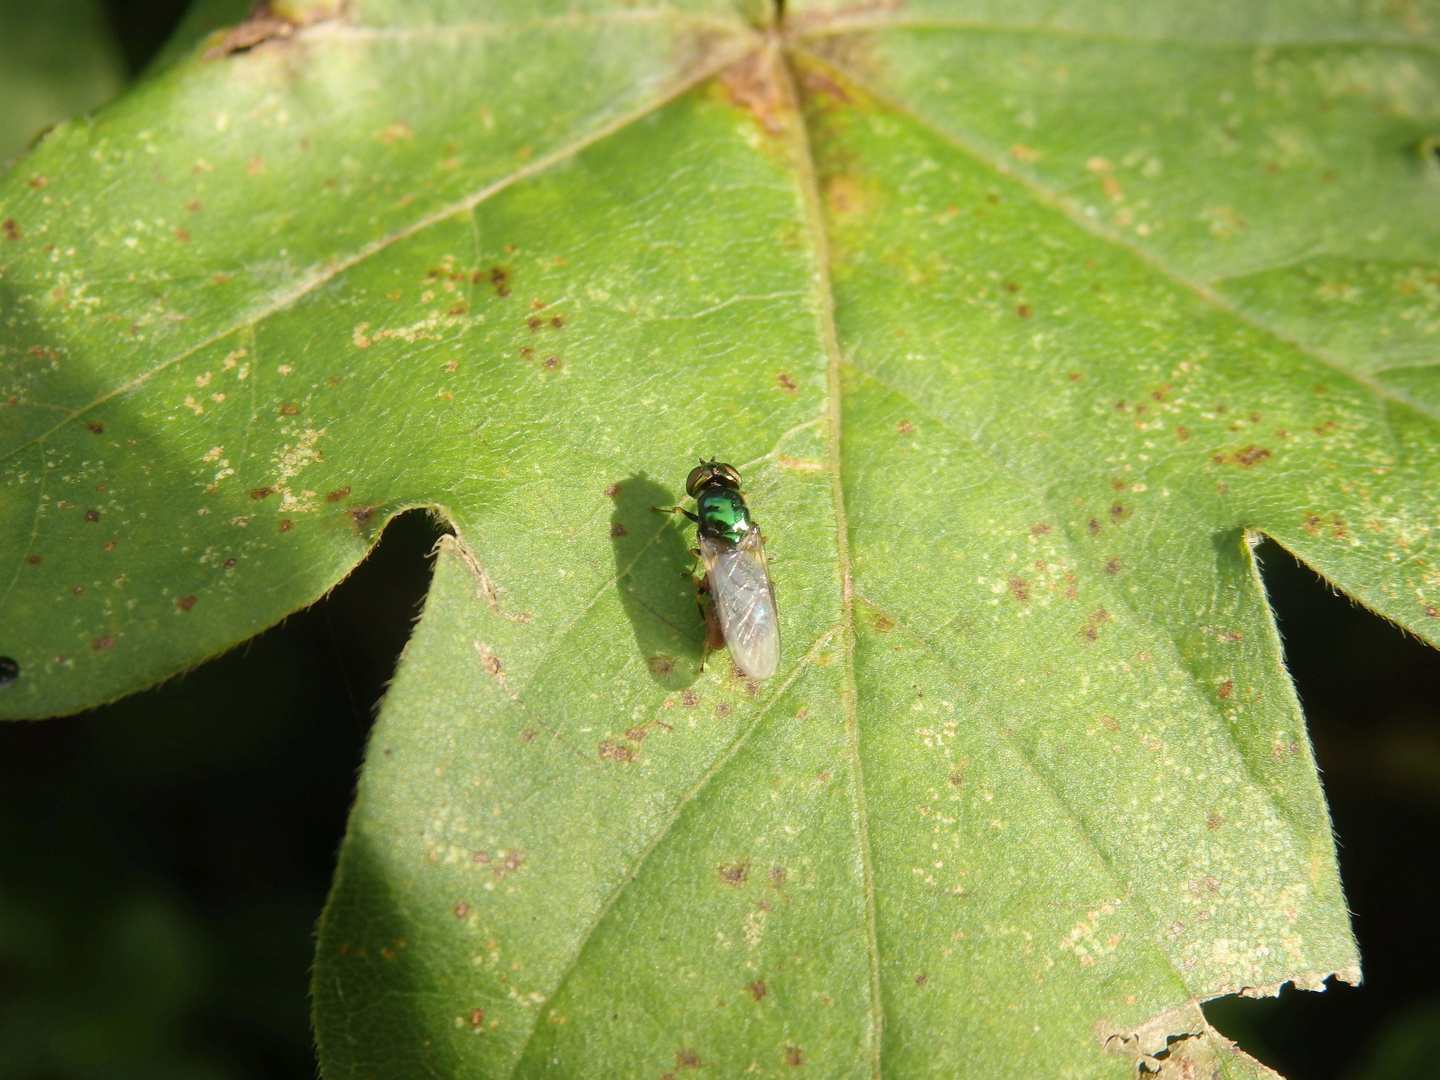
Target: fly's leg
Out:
[675,510]
[714,635]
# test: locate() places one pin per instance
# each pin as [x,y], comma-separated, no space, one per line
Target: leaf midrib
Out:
[814,209]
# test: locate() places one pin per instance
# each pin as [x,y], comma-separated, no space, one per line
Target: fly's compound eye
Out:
[698,476]
[727,473]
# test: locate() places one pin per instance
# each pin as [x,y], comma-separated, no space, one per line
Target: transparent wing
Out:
[744,602]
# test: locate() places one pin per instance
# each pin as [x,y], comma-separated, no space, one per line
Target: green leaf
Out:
[1020,325]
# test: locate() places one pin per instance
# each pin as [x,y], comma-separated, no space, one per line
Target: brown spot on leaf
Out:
[92,515]
[921,979]
[750,84]
[794,1056]
[528,735]
[613,751]
[228,564]
[778,874]
[661,665]
[264,24]
[461,909]
[1432,612]
[1113,566]
[185,603]
[33,560]
[1249,456]
[1023,310]
[1109,723]
[1090,631]
[1094,527]
[734,874]
[286,525]
[289,409]
[337,494]
[477,1018]
[757,989]
[102,643]
[551,363]
[262,493]
[514,860]
[1020,589]
[883,624]
[1213,821]
[904,427]
[362,515]
[786,382]
[818,82]
[1225,689]
[957,779]
[688,698]
[687,1059]
[96,427]
[12,229]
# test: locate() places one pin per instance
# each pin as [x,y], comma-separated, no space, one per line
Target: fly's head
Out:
[711,473]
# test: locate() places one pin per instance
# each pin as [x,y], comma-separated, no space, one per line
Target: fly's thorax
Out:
[723,514]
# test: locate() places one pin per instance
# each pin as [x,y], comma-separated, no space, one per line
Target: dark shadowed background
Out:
[163,860]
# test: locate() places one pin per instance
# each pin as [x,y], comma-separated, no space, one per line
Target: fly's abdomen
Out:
[744,602]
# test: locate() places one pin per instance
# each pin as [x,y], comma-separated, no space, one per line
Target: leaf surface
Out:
[1019,326]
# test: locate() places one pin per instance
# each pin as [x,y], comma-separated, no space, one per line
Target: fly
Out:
[729,544]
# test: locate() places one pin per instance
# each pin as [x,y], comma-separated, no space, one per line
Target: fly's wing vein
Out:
[745,603]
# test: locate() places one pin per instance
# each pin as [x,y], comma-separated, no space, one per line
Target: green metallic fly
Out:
[728,542]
